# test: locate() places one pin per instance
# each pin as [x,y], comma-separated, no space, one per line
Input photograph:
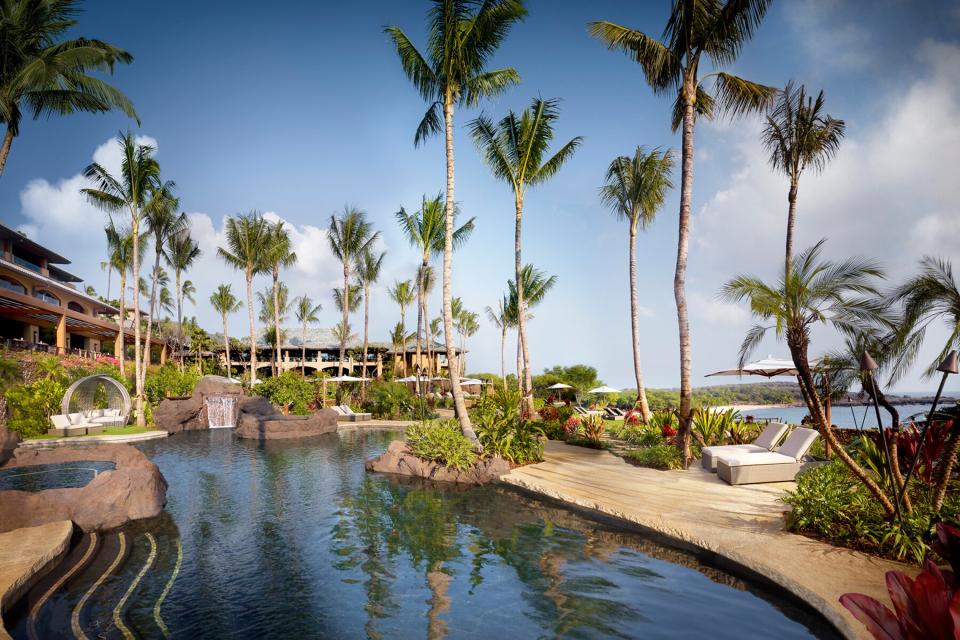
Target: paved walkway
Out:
[744,523]
[42,443]
[27,555]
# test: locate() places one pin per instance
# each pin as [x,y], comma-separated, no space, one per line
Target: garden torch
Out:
[867,366]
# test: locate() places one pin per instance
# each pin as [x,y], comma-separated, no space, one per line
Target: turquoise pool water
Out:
[295,540]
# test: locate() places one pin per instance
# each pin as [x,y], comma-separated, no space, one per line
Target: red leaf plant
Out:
[572,425]
[931,451]
[927,608]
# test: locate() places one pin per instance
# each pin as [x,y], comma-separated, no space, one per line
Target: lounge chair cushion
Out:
[755,459]
[708,459]
[76,418]
[60,421]
[798,443]
[771,435]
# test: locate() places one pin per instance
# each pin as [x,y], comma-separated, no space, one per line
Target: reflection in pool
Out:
[294,540]
[61,475]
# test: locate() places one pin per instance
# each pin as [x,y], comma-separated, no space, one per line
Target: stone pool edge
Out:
[26,555]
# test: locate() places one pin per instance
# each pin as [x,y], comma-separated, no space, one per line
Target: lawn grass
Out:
[129,430]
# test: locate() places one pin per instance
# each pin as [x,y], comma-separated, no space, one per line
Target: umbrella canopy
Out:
[769,367]
[409,379]
[345,379]
[470,382]
[560,385]
[604,389]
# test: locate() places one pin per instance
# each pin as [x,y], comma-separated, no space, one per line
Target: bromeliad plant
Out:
[927,608]
[504,431]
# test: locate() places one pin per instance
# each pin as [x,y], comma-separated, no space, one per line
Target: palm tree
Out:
[47,75]
[120,246]
[813,292]
[634,190]
[355,297]
[535,285]
[426,232]
[180,253]
[138,190]
[930,296]
[799,135]
[368,265]
[246,236]
[163,222]
[403,294]
[696,30]
[224,302]
[306,313]
[515,151]
[463,37]
[350,236]
[468,323]
[278,254]
[498,318]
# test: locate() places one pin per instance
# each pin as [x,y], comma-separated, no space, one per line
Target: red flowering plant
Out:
[931,451]
[549,414]
[632,418]
[925,608]
[572,426]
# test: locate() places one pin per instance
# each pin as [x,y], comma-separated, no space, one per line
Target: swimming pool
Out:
[295,540]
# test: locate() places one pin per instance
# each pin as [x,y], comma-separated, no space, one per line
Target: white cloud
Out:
[828,37]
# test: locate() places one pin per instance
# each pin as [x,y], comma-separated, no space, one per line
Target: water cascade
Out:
[221,411]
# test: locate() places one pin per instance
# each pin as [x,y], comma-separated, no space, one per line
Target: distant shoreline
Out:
[895,401]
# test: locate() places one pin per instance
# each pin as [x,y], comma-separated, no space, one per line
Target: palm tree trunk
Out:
[303,353]
[949,461]
[791,222]
[153,303]
[179,322]
[635,328]
[109,280]
[526,383]
[138,362]
[276,320]
[123,318]
[226,345]
[503,362]
[366,330]
[798,350]
[346,307]
[253,328]
[421,320]
[679,291]
[519,364]
[458,404]
[5,148]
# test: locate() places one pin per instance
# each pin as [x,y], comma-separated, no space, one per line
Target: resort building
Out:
[322,353]
[41,307]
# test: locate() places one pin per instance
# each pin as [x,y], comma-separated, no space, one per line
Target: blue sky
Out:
[300,108]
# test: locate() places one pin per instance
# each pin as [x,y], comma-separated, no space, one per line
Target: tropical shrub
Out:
[549,413]
[504,431]
[928,607]
[593,428]
[710,426]
[390,400]
[168,381]
[831,504]
[572,426]
[633,418]
[661,456]
[666,422]
[289,391]
[443,442]
[741,432]
[931,452]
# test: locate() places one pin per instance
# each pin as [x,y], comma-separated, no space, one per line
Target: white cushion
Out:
[76,418]
[798,443]
[771,435]
[763,458]
[719,450]
[60,422]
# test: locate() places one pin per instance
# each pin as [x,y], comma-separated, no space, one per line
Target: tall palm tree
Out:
[463,36]
[274,310]
[697,30]
[536,285]
[306,313]
[932,295]
[224,302]
[403,294]
[368,265]
[120,246]
[138,190]
[246,236]
[47,75]
[426,232]
[634,190]
[498,318]
[799,135]
[354,298]
[468,323]
[515,150]
[812,292]
[180,253]
[350,235]
[162,222]
[279,254]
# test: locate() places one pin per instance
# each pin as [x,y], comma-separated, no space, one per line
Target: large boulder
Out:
[279,427]
[134,489]
[9,440]
[180,414]
[398,459]
[217,386]
[256,406]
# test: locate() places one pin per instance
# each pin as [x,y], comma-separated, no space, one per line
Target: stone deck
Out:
[744,524]
[26,555]
[43,443]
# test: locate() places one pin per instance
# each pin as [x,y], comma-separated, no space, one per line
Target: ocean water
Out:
[852,416]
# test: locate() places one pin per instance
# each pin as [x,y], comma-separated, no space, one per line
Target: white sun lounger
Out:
[771,435]
[779,466]
[348,415]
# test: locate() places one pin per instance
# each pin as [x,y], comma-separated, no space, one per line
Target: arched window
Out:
[46,296]
[12,285]
[74,306]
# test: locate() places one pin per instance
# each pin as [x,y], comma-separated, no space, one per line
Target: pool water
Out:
[61,475]
[295,540]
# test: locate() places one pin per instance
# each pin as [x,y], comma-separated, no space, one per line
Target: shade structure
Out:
[769,367]
[472,382]
[409,379]
[604,389]
[559,385]
[345,379]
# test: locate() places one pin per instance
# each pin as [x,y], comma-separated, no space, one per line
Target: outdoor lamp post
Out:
[948,366]
[867,366]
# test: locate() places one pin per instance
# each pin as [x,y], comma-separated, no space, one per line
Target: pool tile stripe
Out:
[35,610]
[75,617]
[118,610]
[166,590]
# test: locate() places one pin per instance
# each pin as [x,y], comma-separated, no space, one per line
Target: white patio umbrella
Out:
[604,389]
[472,382]
[559,385]
[346,379]
[407,379]
[769,367]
